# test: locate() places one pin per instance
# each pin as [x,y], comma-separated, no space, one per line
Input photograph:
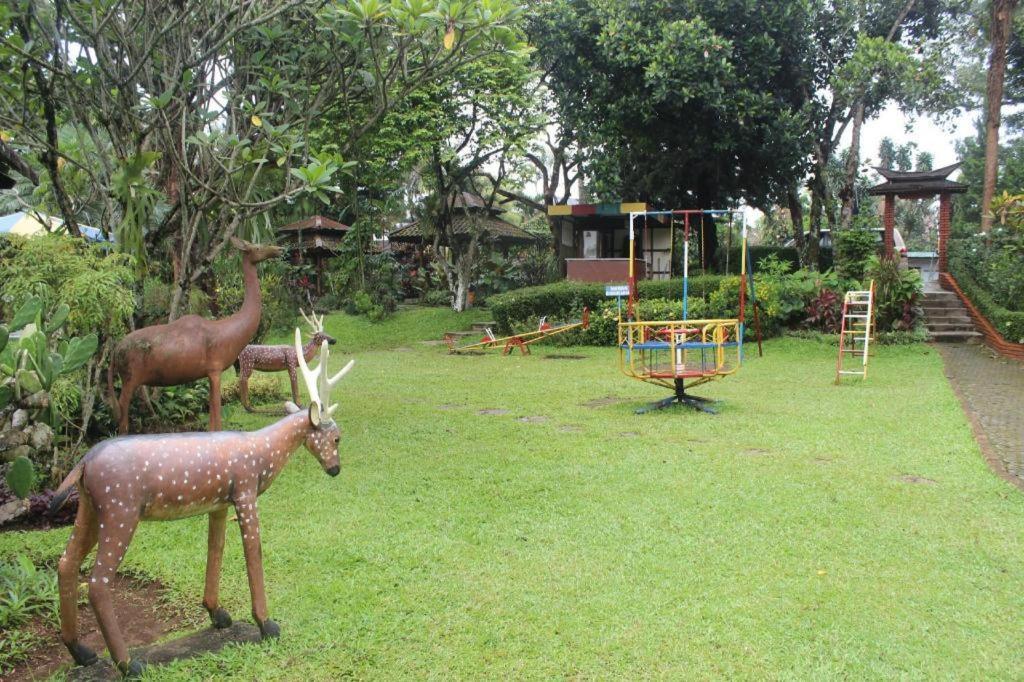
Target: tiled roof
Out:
[463,224]
[317,222]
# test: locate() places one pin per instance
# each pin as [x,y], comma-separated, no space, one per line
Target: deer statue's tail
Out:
[60,495]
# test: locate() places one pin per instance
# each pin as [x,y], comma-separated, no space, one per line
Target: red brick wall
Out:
[993,339]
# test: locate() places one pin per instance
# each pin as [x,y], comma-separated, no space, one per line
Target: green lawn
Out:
[777,539]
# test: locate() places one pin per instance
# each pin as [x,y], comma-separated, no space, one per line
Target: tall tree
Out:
[1000,30]
[197,113]
[680,104]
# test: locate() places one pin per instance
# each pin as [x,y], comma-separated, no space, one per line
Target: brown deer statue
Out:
[278,359]
[128,479]
[190,347]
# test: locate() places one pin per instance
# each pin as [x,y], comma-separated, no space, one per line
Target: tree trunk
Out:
[796,217]
[1002,20]
[850,176]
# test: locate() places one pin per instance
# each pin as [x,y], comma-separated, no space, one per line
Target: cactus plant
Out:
[21,476]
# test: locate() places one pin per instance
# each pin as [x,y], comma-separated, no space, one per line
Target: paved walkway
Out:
[991,388]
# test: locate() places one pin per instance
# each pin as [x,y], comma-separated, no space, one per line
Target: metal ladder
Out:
[855,332]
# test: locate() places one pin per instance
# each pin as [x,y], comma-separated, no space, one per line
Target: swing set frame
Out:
[684,353]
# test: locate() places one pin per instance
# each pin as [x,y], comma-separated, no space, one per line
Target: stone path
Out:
[991,389]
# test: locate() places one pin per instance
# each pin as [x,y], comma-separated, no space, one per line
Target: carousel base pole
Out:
[682,398]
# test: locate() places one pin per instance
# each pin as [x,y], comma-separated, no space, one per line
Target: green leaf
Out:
[4,335]
[6,393]
[22,476]
[26,313]
[57,318]
[79,351]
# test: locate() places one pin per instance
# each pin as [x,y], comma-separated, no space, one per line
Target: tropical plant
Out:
[896,294]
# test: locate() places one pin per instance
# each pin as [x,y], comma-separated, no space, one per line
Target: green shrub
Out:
[565,300]
[853,249]
[264,389]
[896,294]
[994,262]
[97,287]
[1009,323]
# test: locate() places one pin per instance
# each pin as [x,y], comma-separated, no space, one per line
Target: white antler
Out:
[311,321]
[317,382]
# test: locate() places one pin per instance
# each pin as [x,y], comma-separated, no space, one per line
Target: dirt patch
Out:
[141,611]
[448,406]
[538,419]
[911,478]
[570,428]
[629,434]
[433,343]
[755,452]
[563,356]
[603,402]
[492,411]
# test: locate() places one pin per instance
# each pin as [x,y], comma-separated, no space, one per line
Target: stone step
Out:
[949,309]
[949,327]
[482,326]
[954,337]
[939,295]
[949,316]
[462,334]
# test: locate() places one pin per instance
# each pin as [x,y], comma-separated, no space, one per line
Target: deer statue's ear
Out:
[291,408]
[239,244]
[314,413]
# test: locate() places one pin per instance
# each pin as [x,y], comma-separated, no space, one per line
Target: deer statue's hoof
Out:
[130,670]
[269,629]
[83,655]
[220,618]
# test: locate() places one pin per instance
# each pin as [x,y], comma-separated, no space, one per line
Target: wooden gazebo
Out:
[918,185]
[315,240]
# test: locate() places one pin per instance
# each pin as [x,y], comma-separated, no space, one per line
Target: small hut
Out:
[470,215]
[313,240]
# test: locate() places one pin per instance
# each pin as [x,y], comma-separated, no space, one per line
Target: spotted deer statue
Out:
[128,479]
[279,358]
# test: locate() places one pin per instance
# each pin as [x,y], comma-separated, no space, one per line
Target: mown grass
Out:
[777,539]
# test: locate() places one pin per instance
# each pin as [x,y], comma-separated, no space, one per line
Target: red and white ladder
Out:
[855,332]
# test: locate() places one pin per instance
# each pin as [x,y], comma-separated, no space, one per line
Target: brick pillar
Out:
[889,221]
[945,213]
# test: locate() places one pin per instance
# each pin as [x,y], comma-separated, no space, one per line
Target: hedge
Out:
[1008,323]
[561,301]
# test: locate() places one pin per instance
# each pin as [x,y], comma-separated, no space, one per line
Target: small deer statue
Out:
[128,479]
[279,358]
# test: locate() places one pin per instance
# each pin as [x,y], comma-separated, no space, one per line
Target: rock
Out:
[20,419]
[15,453]
[12,439]
[12,510]
[41,436]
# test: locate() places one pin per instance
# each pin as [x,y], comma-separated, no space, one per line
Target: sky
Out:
[938,139]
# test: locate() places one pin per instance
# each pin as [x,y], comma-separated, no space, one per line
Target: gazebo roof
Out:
[917,182]
[317,222]
[463,224]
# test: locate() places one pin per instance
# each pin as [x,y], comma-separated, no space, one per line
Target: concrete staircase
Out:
[946,318]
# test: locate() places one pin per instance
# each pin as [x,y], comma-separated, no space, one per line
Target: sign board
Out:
[616,290]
